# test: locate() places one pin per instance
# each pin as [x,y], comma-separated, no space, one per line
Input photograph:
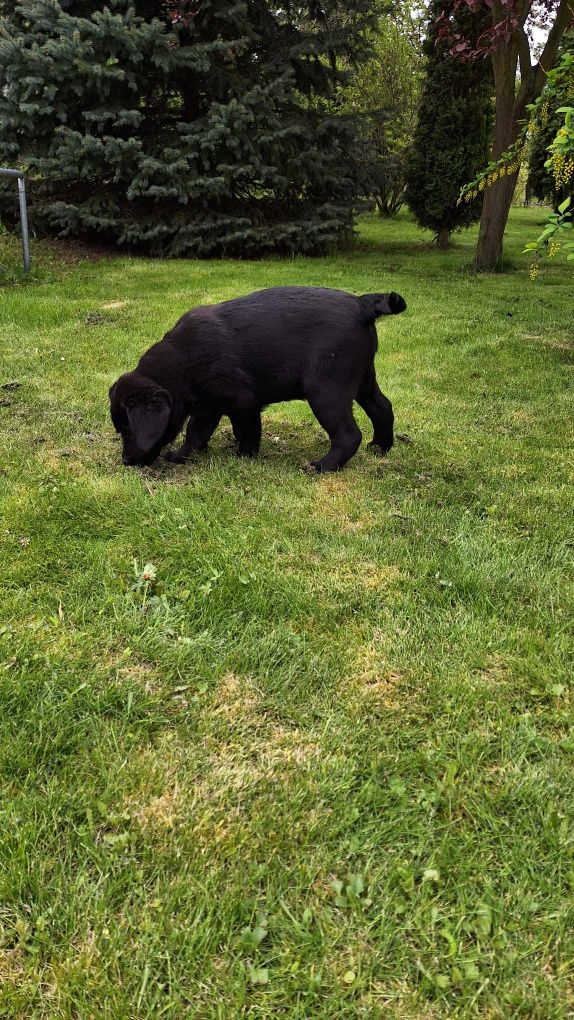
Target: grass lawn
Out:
[322,766]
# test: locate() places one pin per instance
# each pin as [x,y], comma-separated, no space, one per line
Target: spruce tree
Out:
[453,133]
[193,127]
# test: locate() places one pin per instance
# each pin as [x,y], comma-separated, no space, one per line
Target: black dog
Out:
[285,343]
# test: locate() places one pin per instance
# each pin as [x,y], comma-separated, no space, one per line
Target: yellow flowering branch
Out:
[509,162]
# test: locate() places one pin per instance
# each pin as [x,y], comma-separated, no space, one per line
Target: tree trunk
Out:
[510,110]
[497,202]
[443,238]
[498,198]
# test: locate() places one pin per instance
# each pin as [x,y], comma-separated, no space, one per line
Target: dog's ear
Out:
[148,419]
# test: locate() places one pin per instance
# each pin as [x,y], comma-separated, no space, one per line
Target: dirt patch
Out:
[381,686]
[11,965]
[98,318]
[354,577]
[552,342]
[70,250]
[285,748]
[335,500]
[142,673]
[331,497]
[495,672]
[396,1001]
[373,677]
[161,812]
[237,699]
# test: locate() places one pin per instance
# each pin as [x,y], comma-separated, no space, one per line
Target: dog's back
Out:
[284,333]
[281,336]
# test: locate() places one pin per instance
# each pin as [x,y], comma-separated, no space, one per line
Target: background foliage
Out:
[386,90]
[197,130]
[453,132]
[545,125]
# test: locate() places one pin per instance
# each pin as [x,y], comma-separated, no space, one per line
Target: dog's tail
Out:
[375,305]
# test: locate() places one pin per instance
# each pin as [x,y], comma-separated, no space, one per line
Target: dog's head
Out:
[141,411]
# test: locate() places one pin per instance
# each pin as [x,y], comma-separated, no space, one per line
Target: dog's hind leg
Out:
[199,431]
[380,411]
[334,413]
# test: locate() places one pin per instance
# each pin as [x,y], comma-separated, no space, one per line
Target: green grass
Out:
[322,767]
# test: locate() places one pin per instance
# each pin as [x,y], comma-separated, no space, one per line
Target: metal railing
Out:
[20,177]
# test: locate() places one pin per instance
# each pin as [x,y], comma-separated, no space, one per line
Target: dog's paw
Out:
[175,457]
[317,467]
[377,449]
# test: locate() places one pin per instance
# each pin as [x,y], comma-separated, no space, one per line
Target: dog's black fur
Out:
[234,358]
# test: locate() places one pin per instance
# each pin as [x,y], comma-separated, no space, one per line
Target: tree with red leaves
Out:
[519,78]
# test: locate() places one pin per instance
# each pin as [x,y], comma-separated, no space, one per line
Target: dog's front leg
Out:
[198,433]
[247,431]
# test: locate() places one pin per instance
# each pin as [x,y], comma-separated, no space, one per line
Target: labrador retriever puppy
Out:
[236,357]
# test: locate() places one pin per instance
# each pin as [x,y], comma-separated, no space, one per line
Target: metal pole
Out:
[24,223]
[23,212]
